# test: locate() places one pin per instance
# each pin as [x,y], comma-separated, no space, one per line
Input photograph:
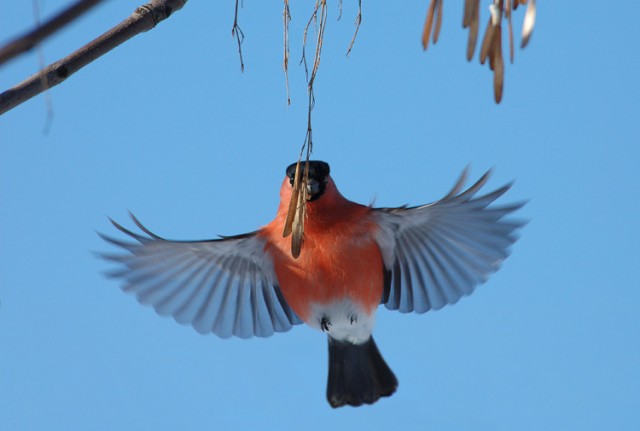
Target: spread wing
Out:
[226,286]
[437,253]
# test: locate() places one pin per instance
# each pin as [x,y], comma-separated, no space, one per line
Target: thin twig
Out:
[303,60]
[30,39]
[143,19]
[321,21]
[237,32]
[308,139]
[319,40]
[357,22]
[286,18]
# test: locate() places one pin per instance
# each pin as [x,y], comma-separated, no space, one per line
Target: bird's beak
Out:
[313,188]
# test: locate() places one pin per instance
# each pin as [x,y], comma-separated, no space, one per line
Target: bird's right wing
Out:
[226,286]
[437,253]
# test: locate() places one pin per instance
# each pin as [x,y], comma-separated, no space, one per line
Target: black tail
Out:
[357,374]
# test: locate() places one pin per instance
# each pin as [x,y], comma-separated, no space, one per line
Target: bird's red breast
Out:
[340,259]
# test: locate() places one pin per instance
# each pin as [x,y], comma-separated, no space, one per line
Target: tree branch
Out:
[30,39]
[143,19]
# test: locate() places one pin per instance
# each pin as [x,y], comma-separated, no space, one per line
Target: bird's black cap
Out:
[317,170]
[318,177]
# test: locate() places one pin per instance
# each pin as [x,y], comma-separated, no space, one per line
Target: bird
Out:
[353,258]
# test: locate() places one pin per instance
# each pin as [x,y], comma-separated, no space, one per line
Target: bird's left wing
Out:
[226,286]
[434,254]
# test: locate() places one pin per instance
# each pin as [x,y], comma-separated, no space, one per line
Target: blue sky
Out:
[166,126]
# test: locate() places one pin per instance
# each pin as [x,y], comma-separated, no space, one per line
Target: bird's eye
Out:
[326,180]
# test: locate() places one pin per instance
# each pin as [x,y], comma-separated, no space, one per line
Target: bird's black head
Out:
[318,177]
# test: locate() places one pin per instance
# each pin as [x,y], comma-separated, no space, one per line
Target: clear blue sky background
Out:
[167,127]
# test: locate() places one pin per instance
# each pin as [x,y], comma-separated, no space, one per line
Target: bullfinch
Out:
[353,257]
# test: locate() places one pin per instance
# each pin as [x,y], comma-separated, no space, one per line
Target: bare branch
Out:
[30,39]
[143,19]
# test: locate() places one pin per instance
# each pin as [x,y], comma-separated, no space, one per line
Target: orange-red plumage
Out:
[339,260]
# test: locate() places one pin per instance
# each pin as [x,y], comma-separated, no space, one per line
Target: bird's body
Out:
[351,259]
[335,285]
[339,268]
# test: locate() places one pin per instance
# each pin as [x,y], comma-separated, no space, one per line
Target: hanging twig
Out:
[237,32]
[308,139]
[357,22]
[143,19]
[286,18]
[30,39]
[303,58]
[294,223]
[296,214]
[321,6]
[321,23]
